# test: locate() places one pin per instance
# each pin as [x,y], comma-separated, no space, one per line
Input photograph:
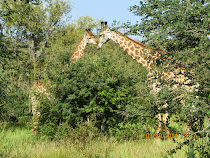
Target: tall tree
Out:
[174,24]
[32,24]
[181,26]
[25,29]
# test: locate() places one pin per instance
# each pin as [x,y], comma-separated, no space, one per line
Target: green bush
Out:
[98,85]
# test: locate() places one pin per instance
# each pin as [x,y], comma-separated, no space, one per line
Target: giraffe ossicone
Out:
[148,58]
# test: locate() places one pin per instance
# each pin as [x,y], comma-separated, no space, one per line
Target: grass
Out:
[19,143]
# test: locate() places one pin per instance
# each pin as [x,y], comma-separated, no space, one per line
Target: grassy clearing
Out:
[20,143]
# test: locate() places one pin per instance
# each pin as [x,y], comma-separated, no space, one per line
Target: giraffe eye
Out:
[100,35]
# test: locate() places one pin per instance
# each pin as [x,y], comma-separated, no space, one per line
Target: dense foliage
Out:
[105,91]
[182,28]
[174,24]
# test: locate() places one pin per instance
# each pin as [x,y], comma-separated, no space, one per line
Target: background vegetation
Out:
[102,98]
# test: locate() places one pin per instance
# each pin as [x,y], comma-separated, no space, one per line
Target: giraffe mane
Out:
[144,46]
[140,44]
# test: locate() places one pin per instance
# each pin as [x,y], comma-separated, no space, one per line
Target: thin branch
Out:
[207,136]
[124,113]
[203,129]
[189,2]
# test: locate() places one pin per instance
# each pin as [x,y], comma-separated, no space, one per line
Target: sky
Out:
[108,10]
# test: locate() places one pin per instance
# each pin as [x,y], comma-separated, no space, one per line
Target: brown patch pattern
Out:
[132,48]
[126,49]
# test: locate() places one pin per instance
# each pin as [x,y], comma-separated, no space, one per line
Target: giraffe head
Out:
[104,35]
[89,37]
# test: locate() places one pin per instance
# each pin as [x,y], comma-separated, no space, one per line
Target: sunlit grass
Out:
[19,142]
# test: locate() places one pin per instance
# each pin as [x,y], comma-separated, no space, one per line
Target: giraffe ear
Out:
[89,29]
[105,23]
[86,29]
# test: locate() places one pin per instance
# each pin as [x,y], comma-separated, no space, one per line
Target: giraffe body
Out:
[148,58]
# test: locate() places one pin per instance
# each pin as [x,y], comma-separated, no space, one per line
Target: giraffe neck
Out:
[137,51]
[79,50]
[146,58]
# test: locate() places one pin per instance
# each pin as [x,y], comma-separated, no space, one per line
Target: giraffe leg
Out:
[188,126]
[158,116]
[188,121]
[165,119]
[34,126]
[33,131]
[35,122]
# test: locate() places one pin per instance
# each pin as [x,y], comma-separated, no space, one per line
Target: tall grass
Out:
[19,143]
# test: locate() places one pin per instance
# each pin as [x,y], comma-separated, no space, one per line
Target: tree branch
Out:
[189,2]
[203,129]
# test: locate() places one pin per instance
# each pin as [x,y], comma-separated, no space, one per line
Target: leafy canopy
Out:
[173,24]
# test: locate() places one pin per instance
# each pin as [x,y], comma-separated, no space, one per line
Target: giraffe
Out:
[38,92]
[149,58]
[87,38]
[39,88]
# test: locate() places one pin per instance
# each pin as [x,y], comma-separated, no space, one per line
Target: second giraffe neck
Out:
[79,50]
